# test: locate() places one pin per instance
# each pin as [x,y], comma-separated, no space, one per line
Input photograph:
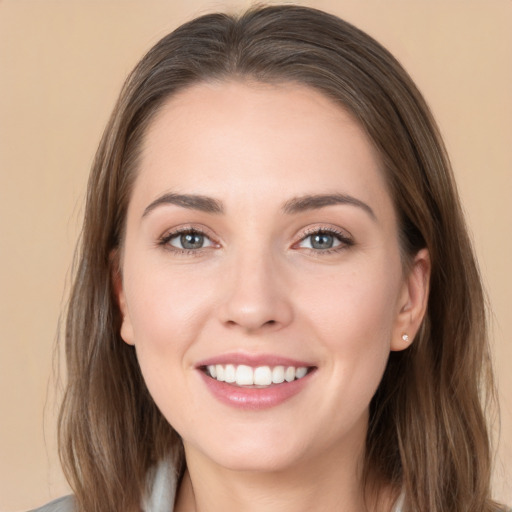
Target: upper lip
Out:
[253,360]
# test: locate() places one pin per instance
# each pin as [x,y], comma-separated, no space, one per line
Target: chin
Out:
[258,462]
[257,454]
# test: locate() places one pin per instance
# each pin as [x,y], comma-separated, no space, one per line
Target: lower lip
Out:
[254,398]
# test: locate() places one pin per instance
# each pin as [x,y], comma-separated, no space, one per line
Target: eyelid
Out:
[169,234]
[344,237]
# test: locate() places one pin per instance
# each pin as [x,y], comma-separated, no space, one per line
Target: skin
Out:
[259,287]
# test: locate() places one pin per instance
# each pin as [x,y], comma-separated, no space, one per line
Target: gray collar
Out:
[162,490]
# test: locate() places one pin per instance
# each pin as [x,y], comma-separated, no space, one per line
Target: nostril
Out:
[245,324]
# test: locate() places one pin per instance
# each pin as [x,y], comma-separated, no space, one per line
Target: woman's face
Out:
[262,249]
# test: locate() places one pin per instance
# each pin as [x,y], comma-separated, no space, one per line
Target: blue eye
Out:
[324,240]
[190,240]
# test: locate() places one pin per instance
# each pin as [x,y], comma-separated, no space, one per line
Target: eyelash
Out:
[345,240]
[165,239]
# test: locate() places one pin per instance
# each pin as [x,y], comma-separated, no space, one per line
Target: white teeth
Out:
[263,376]
[278,375]
[219,369]
[229,373]
[301,372]
[289,375]
[243,375]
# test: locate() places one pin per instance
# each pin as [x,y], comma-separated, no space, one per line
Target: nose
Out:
[256,295]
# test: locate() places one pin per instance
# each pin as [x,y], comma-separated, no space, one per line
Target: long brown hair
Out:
[427,432]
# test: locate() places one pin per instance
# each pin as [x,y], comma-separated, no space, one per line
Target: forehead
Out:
[254,140]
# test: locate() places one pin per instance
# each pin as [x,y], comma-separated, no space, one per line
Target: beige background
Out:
[61,66]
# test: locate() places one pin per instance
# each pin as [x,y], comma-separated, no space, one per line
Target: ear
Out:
[126,331]
[412,303]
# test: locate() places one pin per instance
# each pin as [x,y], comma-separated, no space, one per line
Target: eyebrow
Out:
[314,202]
[296,205]
[189,201]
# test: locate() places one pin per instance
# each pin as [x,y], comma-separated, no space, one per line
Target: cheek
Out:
[353,317]
[359,305]
[166,312]
[166,307]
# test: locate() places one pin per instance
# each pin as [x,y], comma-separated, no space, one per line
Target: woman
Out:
[276,303]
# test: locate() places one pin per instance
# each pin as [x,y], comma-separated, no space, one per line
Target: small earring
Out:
[405,337]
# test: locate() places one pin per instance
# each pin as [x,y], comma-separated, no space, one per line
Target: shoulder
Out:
[64,504]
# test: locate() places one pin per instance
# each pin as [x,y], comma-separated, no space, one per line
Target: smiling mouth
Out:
[256,377]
